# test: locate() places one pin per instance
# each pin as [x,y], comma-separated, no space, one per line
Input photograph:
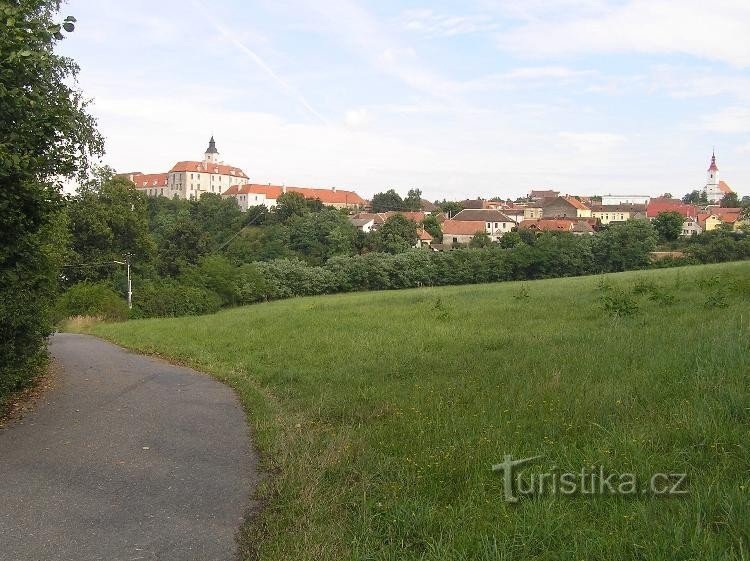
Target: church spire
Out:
[713,166]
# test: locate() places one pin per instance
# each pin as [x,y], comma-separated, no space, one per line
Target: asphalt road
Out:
[126,458]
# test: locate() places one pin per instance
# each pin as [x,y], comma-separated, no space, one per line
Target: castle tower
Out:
[212,154]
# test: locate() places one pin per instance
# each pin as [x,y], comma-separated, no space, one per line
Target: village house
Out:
[565,207]
[715,217]
[548,225]
[607,214]
[467,223]
[540,195]
[424,239]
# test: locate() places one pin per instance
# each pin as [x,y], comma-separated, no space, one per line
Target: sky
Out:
[460,99]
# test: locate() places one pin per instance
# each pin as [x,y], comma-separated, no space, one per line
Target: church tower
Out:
[212,154]
[713,192]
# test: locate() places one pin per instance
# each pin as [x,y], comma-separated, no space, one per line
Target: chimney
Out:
[333,189]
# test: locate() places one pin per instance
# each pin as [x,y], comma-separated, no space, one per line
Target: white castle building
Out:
[190,179]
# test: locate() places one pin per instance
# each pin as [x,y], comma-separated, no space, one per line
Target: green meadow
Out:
[379,415]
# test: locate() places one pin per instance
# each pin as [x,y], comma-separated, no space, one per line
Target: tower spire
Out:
[212,154]
[713,166]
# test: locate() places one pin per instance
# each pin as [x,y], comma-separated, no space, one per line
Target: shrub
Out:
[91,299]
[618,303]
[172,299]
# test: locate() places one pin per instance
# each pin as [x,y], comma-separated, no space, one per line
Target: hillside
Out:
[381,414]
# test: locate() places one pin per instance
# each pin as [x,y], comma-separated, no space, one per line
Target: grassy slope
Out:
[381,414]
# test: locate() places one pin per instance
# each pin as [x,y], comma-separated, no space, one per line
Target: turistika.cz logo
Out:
[588,481]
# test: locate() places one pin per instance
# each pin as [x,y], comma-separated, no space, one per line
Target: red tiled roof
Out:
[576,203]
[417,216]
[207,167]
[547,225]
[149,180]
[658,205]
[463,227]
[326,196]
[724,188]
[424,235]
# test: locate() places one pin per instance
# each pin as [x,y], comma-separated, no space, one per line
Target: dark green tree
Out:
[695,197]
[45,134]
[384,202]
[730,200]
[480,239]
[288,205]
[624,246]
[668,225]
[395,235]
[451,208]
[432,226]
[413,200]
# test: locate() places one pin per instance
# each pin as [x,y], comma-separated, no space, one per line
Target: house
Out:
[428,207]
[625,200]
[253,194]
[515,214]
[548,225]
[618,213]
[715,217]
[715,189]
[495,222]
[467,223]
[481,204]
[365,225]
[659,204]
[190,179]
[565,207]
[691,227]
[424,239]
[457,232]
[541,194]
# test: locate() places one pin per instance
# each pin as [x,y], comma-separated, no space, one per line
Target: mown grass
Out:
[379,415]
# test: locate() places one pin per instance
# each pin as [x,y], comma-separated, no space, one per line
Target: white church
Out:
[715,189]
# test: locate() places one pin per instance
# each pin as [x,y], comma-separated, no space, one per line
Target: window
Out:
[488,224]
[495,224]
[455,240]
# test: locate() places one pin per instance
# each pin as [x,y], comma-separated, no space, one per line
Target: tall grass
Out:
[379,415]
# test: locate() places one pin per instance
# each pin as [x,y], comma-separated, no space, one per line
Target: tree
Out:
[107,219]
[730,200]
[510,240]
[668,225]
[624,246]
[666,196]
[450,208]
[395,235]
[432,227]
[384,202]
[695,197]
[413,200]
[480,239]
[318,236]
[288,205]
[45,135]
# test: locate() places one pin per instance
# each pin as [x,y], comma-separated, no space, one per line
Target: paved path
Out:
[127,458]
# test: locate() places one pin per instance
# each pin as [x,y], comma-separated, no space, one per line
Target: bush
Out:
[172,299]
[91,299]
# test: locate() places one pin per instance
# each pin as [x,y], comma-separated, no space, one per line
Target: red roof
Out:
[424,235]
[149,180]
[463,227]
[576,203]
[724,188]
[326,196]
[417,216]
[207,167]
[658,205]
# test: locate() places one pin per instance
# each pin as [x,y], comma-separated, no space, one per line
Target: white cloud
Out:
[729,120]
[715,30]
[428,22]
[357,118]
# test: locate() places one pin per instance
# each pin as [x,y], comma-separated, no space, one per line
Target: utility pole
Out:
[130,285]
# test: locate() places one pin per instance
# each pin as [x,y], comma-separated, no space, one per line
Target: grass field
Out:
[381,414]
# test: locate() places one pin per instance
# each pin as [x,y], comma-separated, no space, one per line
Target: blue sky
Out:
[460,99]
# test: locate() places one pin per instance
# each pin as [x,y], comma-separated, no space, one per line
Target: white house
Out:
[614,200]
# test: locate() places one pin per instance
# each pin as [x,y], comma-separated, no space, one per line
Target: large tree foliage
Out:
[668,225]
[384,202]
[45,135]
[396,235]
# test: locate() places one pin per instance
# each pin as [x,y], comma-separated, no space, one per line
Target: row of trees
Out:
[46,135]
